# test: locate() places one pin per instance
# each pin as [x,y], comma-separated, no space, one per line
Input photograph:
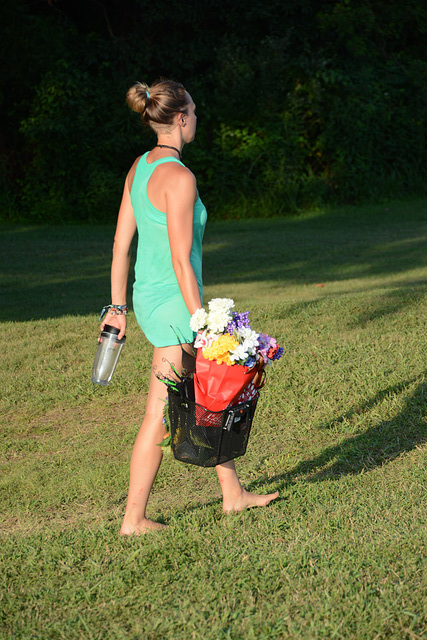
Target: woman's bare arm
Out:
[125,231]
[181,195]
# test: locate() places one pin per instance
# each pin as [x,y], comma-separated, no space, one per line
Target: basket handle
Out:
[263,380]
[261,375]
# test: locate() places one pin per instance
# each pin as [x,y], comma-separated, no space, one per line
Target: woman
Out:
[160,200]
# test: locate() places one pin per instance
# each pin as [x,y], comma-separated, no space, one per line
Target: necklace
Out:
[166,146]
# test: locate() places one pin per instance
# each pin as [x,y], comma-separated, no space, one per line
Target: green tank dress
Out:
[157,300]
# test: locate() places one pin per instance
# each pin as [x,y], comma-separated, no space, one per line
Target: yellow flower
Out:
[220,349]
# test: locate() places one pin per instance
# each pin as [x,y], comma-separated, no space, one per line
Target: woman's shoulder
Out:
[179,176]
[132,171]
[174,172]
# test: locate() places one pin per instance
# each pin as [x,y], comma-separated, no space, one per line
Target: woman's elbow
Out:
[121,249]
[181,267]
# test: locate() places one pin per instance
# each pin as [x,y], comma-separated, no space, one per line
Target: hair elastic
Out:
[148,94]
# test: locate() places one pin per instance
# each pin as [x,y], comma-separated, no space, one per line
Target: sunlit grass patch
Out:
[340,431]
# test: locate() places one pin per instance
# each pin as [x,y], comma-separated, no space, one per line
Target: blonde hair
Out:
[159,103]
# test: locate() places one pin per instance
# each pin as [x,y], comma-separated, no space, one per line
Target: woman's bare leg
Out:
[234,497]
[146,454]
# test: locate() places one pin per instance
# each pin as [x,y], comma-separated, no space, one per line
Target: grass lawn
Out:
[340,431]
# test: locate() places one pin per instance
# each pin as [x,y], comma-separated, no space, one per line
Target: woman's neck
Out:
[169,145]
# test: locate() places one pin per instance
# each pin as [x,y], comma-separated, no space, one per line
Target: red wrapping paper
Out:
[216,386]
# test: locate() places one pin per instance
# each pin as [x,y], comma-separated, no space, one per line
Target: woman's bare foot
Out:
[247,500]
[143,527]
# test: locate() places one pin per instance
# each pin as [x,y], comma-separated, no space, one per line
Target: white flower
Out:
[218,320]
[248,338]
[221,304]
[198,320]
[239,353]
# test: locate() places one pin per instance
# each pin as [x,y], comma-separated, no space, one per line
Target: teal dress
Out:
[157,300]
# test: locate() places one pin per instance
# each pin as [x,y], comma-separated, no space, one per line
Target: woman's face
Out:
[190,120]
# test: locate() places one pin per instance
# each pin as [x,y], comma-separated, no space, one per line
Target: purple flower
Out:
[239,320]
[278,353]
[264,344]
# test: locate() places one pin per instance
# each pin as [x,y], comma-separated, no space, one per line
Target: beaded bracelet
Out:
[114,309]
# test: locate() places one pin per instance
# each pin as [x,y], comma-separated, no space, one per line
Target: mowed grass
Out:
[340,431]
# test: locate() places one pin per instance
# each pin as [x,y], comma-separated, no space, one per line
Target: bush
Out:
[299,103]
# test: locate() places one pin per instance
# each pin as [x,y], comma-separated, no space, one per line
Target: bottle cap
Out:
[109,329]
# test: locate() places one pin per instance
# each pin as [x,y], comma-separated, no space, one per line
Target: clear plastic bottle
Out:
[107,355]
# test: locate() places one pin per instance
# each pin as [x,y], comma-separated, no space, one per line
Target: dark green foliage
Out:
[299,102]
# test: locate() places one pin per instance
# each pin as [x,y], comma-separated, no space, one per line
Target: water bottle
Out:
[107,355]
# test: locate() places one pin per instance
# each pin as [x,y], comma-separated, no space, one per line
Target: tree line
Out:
[300,102]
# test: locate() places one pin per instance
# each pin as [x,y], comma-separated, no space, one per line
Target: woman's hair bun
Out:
[158,104]
[137,96]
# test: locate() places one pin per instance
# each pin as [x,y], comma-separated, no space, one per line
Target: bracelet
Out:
[114,309]
[118,312]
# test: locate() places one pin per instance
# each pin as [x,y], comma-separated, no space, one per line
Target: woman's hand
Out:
[114,320]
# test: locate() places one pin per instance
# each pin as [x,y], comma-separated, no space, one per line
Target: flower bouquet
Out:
[231,356]
[210,409]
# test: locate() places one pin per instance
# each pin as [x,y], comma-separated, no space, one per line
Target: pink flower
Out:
[204,339]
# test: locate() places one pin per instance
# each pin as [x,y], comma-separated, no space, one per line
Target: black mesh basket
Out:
[207,438]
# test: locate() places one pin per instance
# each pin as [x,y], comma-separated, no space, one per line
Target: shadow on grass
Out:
[54,271]
[330,247]
[49,272]
[392,299]
[390,302]
[363,452]
[373,448]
